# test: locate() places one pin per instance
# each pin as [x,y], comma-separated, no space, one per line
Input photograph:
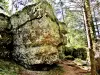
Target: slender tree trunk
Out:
[86,28]
[91,34]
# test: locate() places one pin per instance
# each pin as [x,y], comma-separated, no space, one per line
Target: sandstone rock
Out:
[62,45]
[63,32]
[4,21]
[5,44]
[31,36]
[36,35]
[5,37]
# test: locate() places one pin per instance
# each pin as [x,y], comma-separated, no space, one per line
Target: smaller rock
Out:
[81,62]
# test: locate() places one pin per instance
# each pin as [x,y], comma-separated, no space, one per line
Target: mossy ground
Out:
[9,68]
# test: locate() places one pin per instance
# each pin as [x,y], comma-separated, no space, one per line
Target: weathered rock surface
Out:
[5,44]
[36,35]
[32,36]
[5,37]
[62,45]
[4,22]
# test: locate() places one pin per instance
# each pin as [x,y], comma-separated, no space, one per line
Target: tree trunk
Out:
[91,35]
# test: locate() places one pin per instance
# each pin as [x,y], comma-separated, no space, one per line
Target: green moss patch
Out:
[9,68]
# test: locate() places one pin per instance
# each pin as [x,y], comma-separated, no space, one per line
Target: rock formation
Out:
[31,36]
[5,36]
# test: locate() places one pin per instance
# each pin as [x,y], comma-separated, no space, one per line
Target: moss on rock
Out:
[36,35]
[4,22]
[32,35]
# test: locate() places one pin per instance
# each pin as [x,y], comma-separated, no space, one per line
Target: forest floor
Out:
[66,67]
[69,68]
[72,69]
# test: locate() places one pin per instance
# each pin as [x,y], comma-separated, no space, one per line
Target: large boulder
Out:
[32,36]
[36,35]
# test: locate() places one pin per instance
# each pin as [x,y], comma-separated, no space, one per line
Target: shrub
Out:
[76,52]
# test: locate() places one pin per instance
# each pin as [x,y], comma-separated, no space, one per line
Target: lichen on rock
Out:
[31,36]
[36,35]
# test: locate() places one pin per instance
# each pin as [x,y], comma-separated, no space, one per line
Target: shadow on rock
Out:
[43,67]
